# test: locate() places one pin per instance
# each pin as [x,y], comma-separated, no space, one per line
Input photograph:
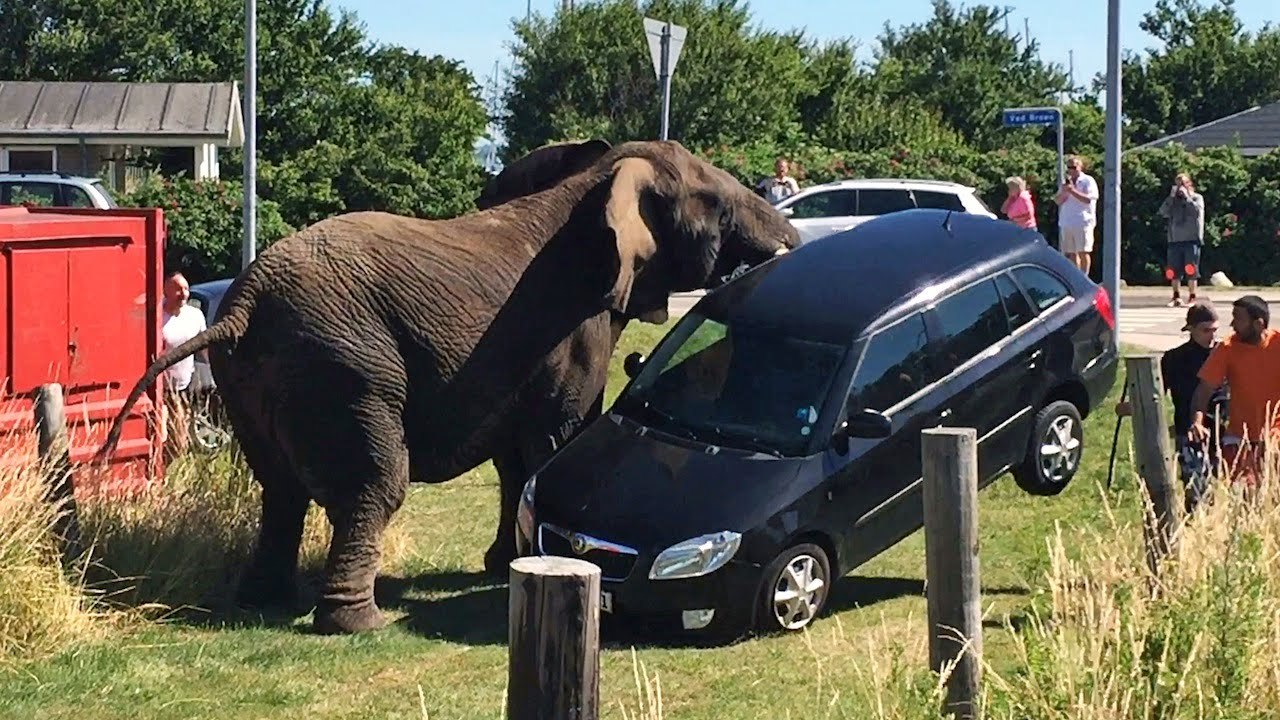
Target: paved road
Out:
[1144,319]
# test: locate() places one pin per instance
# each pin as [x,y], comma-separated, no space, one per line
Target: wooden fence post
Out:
[951,562]
[554,639]
[1153,452]
[55,462]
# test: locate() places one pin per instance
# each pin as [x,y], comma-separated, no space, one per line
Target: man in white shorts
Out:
[1077,201]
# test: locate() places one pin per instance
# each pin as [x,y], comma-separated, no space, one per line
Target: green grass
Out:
[446,650]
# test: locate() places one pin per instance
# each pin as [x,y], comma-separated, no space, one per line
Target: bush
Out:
[205,223]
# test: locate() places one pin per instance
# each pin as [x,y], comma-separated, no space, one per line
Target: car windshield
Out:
[734,386]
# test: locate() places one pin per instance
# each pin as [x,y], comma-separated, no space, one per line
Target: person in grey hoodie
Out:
[1184,208]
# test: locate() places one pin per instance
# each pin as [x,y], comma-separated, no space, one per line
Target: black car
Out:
[771,443]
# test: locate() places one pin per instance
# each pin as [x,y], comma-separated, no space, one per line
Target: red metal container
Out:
[81,306]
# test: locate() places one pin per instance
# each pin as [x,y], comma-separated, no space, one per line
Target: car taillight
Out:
[1102,301]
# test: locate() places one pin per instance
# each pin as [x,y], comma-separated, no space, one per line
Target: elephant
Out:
[371,350]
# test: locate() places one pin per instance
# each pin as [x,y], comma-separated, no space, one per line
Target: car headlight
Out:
[524,513]
[696,556]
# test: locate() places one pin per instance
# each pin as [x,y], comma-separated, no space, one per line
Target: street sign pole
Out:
[1027,117]
[250,240]
[1111,179]
[665,42]
[665,79]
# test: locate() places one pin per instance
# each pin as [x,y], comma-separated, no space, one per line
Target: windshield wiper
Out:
[748,442]
[670,422]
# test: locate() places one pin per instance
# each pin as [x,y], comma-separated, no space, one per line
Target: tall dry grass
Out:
[42,605]
[1111,640]
[178,546]
[1200,639]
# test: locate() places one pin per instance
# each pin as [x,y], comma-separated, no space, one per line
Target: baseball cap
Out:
[1198,313]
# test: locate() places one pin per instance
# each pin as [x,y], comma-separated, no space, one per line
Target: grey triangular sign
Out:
[653,33]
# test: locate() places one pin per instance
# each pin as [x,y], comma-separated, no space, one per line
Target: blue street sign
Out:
[1019,118]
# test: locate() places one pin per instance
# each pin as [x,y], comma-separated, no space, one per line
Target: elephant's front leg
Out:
[512,476]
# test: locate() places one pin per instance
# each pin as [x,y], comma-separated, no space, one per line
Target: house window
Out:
[29,159]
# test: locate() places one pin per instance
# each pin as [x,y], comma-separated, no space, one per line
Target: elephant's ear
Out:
[541,169]
[635,243]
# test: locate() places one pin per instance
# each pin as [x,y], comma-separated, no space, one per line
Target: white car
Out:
[822,210]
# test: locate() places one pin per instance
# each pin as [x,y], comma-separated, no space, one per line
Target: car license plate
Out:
[606,601]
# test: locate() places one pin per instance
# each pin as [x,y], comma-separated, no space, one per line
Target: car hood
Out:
[623,482]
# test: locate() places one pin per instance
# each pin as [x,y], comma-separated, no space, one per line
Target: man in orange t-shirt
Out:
[1249,361]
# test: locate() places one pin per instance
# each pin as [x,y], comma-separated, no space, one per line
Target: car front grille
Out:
[615,561]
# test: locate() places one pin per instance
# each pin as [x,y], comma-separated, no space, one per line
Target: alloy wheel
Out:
[798,592]
[1059,450]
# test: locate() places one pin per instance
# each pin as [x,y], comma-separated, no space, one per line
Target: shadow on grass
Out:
[859,591]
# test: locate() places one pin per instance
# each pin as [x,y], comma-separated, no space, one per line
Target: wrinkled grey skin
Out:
[369,350]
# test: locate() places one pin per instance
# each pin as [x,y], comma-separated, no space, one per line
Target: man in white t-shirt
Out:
[781,186]
[181,322]
[1077,201]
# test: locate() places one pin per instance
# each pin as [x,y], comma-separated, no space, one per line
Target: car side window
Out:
[831,203]
[972,320]
[895,366]
[938,200]
[32,193]
[76,197]
[883,202]
[1042,287]
[1016,307]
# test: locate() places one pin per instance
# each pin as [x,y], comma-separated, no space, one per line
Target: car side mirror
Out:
[861,424]
[787,211]
[869,424]
[632,364]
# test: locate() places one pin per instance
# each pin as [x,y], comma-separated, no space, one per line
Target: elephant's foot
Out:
[348,619]
[497,559]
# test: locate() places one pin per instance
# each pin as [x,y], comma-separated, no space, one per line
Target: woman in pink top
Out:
[1018,207]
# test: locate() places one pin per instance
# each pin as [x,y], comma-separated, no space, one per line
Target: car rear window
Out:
[972,320]
[1044,289]
[883,202]
[938,200]
[1016,307]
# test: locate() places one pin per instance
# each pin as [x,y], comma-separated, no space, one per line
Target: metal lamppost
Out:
[250,244]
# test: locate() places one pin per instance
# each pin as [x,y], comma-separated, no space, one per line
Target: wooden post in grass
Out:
[554,639]
[950,463]
[55,464]
[1153,452]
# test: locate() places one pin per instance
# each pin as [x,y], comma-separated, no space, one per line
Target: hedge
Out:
[205,223]
[1242,195]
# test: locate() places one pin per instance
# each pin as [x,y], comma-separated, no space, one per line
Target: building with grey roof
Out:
[96,128]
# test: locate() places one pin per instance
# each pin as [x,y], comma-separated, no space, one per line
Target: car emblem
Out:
[578,543]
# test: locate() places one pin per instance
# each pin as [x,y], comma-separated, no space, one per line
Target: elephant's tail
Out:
[231,326]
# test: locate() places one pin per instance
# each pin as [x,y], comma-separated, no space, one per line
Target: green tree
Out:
[342,124]
[588,72]
[1207,68]
[963,64]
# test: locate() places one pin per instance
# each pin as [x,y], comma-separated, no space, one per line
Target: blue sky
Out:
[478,32]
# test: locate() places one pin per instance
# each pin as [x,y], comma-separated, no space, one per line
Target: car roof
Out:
[45,175]
[213,287]
[874,183]
[836,288]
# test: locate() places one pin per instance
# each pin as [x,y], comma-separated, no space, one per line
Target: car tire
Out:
[1054,450]
[801,563]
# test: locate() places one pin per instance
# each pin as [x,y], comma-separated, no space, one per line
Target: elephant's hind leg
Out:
[359,511]
[270,580]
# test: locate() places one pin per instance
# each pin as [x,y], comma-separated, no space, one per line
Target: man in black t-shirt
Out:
[1178,368]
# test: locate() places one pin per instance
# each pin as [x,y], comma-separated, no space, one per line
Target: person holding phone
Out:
[1184,209]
